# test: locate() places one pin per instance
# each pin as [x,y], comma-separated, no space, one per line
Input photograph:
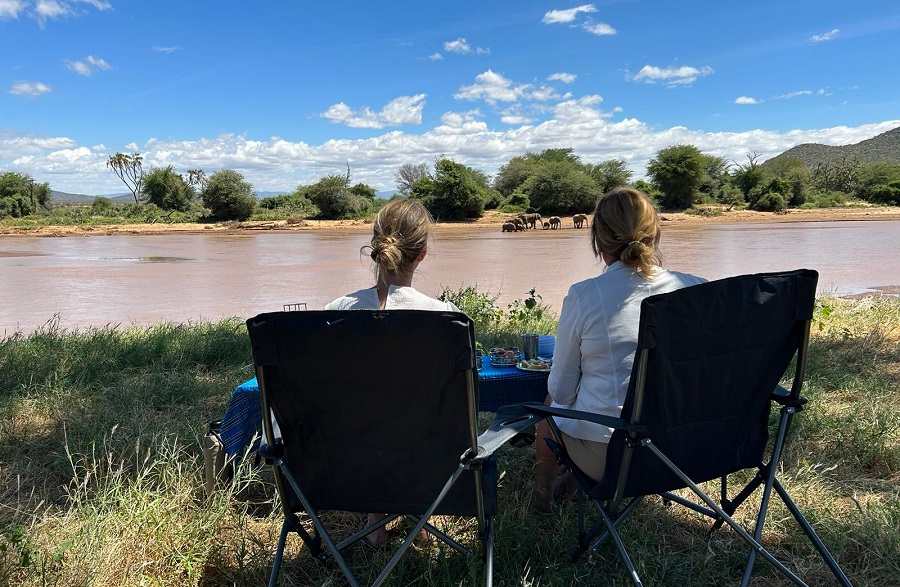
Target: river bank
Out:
[491,220]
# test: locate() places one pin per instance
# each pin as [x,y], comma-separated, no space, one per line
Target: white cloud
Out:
[11,8]
[747,100]
[462,47]
[172,49]
[29,89]
[435,57]
[618,109]
[44,10]
[822,92]
[790,95]
[599,29]
[564,16]
[402,110]
[277,164]
[458,46]
[671,76]
[566,78]
[87,66]
[825,36]
[492,88]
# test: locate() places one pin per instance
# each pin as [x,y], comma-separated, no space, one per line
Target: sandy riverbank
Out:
[491,220]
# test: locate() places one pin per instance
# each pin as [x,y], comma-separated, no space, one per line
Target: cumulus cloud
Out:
[565,16]
[435,57]
[172,49]
[88,65]
[825,36]
[11,8]
[402,110]
[277,164]
[492,88]
[599,28]
[746,100]
[462,47]
[29,89]
[566,78]
[671,76]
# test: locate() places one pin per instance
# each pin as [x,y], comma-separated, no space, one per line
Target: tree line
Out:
[554,181]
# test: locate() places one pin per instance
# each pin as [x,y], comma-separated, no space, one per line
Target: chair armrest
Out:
[509,422]
[603,420]
[783,396]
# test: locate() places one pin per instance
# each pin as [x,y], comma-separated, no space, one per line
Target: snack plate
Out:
[493,364]
[532,370]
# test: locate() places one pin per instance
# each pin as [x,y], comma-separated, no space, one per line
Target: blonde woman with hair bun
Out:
[399,243]
[597,335]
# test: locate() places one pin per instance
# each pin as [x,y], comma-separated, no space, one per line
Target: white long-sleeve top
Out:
[398,298]
[596,342]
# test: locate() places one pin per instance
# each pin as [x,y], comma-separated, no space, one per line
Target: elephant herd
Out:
[531,221]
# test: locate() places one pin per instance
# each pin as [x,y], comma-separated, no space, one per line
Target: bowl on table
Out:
[504,357]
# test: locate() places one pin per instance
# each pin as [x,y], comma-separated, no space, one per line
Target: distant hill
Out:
[884,148]
[67,198]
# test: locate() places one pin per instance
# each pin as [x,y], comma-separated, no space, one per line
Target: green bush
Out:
[770,202]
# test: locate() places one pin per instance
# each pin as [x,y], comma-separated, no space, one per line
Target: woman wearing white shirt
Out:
[597,335]
[399,243]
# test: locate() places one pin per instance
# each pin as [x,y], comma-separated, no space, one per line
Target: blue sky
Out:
[286,92]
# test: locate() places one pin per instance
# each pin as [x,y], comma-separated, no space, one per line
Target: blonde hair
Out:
[400,233]
[626,226]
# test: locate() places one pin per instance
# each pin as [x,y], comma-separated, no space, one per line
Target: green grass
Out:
[101,472]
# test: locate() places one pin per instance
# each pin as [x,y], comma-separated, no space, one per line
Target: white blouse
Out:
[398,298]
[596,342]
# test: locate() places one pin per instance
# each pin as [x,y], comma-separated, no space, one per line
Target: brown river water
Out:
[142,279]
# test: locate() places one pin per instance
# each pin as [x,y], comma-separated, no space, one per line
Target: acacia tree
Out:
[129,169]
[677,171]
[167,189]
[610,174]
[20,195]
[196,177]
[228,196]
[408,175]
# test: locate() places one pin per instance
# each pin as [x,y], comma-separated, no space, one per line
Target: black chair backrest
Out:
[714,354]
[374,407]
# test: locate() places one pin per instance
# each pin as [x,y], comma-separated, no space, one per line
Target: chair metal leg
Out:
[623,554]
[279,552]
[757,547]
[811,534]
[489,553]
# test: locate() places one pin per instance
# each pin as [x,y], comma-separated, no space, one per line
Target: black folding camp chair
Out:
[706,373]
[375,410]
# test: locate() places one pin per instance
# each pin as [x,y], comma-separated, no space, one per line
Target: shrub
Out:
[228,196]
[770,202]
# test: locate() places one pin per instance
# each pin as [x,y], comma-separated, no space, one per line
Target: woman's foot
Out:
[541,497]
[565,488]
[376,538]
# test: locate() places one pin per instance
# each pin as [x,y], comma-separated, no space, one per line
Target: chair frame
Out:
[287,484]
[614,509]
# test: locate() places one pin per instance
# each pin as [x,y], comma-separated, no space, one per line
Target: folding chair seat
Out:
[706,373]
[375,410]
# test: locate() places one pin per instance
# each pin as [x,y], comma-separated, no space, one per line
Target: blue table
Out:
[497,386]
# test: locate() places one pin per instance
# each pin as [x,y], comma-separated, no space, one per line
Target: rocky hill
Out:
[881,148]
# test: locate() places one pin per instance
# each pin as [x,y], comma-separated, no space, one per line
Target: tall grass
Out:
[101,472]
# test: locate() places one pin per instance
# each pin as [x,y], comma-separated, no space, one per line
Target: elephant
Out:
[579,220]
[518,223]
[546,225]
[509,227]
[531,220]
[555,222]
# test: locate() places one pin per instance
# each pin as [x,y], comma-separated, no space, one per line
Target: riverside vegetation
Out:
[101,478]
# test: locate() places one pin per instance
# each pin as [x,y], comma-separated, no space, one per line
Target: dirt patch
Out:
[492,219]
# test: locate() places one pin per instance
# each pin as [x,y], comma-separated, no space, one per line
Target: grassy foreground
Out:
[101,471]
